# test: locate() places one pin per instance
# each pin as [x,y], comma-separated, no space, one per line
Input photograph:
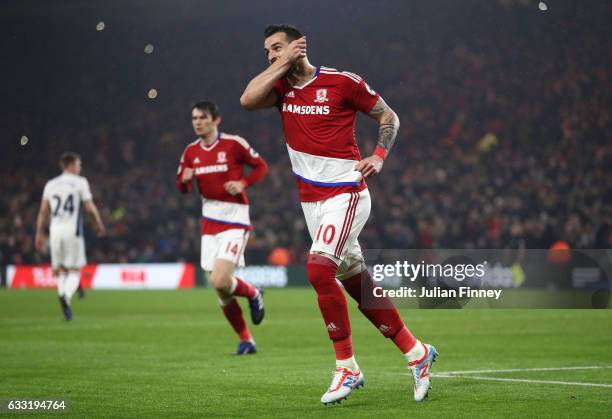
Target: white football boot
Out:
[420,373]
[343,382]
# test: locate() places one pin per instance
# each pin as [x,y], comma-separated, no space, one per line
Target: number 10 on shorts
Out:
[328,233]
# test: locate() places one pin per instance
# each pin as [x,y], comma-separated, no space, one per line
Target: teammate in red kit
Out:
[216,160]
[318,107]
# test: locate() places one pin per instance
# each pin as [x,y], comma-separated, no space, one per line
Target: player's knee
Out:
[220,282]
[317,266]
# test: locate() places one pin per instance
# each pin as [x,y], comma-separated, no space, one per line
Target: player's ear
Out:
[217,120]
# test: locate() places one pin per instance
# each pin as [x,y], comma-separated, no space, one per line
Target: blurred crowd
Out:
[505,139]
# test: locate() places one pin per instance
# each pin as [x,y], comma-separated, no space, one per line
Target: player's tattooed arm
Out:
[388,124]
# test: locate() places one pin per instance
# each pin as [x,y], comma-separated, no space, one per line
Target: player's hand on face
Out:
[370,166]
[296,50]
[187,175]
[234,187]
[39,242]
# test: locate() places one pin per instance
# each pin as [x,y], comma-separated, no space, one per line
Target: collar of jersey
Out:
[315,75]
[210,147]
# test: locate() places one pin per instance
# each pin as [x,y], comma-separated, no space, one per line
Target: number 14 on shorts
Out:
[232,248]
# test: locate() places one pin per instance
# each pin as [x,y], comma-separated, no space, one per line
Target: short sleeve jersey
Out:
[66,194]
[319,126]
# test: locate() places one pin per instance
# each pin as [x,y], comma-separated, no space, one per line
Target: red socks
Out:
[343,348]
[385,318]
[233,314]
[232,310]
[404,340]
[332,303]
[244,289]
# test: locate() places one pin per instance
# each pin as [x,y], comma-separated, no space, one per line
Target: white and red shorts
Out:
[228,245]
[335,223]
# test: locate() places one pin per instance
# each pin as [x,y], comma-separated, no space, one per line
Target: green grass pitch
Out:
[167,353]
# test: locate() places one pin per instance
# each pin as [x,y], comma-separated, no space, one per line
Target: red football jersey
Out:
[319,124]
[214,165]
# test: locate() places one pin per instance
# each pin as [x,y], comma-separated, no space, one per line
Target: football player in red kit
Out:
[216,161]
[318,107]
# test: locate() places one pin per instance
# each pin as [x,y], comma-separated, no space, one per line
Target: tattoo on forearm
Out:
[387,133]
[389,124]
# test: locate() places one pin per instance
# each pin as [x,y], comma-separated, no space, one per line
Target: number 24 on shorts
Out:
[329,231]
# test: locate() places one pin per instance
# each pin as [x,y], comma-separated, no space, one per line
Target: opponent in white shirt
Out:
[63,199]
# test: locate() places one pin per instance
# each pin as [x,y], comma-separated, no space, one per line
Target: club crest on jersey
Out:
[321,96]
[221,157]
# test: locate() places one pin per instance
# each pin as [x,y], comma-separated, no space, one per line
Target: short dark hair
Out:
[68,158]
[207,106]
[291,31]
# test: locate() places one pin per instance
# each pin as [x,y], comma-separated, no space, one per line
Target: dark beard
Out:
[291,71]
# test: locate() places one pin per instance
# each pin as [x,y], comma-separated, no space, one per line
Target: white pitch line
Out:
[520,380]
[591,367]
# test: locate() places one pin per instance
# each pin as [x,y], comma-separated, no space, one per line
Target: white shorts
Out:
[335,223]
[67,250]
[227,245]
